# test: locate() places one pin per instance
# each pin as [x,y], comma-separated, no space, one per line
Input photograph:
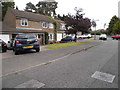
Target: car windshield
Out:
[25,36]
[103,35]
[68,37]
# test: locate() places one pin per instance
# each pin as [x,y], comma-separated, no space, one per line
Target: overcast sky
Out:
[101,10]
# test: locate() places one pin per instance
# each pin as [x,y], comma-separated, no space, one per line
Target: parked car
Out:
[25,41]
[68,38]
[84,36]
[103,37]
[10,44]
[3,46]
[116,37]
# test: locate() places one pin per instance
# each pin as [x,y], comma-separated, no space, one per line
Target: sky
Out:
[99,10]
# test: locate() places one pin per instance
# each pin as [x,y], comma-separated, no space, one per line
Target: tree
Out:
[47,8]
[30,7]
[116,27]
[76,23]
[111,25]
[5,6]
[17,8]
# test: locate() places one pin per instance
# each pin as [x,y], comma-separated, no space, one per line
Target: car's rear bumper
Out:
[26,47]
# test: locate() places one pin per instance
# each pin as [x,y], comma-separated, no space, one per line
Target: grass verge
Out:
[61,45]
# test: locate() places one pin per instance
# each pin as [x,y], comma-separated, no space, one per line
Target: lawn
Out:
[61,45]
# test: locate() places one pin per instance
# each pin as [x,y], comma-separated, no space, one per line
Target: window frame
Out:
[44,24]
[24,22]
[51,26]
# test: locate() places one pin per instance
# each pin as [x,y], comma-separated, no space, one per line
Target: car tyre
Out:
[38,49]
[4,50]
[16,52]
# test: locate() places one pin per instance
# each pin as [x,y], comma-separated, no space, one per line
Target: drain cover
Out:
[31,84]
[103,76]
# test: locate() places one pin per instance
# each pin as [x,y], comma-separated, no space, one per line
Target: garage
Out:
[59,36]
[4,37]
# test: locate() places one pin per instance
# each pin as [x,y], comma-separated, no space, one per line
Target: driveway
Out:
[10,53]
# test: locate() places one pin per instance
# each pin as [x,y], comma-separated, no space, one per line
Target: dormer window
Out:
[51,25]
[45,25]
[24,22]
[62,26]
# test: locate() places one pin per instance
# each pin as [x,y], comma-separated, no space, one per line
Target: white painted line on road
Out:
[35,66]
[103,76]
[31,84]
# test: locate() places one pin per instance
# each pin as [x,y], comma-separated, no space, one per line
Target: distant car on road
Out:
[68,38]
[25,41]
[3,46]
[84,36]
[103,37]
[116,37]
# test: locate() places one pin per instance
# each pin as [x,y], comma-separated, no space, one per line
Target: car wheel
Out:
[38,49]
[16,52]
[4,50]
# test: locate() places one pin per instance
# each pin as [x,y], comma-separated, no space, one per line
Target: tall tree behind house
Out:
[5,6]
[46,7]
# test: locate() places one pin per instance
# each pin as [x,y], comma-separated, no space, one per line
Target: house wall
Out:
[31,24]
[34,24]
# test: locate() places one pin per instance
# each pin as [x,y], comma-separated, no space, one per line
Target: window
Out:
[24,22]
[45,25]
[51,36]
[62,26]
[51,25]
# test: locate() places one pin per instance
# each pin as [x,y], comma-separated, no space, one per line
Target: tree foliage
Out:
[5,6]
[30,7]
[113,21]
[76,23]
[47,8]
[43,7]
[116,27]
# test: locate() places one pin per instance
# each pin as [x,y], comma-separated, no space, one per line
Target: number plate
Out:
[28,47]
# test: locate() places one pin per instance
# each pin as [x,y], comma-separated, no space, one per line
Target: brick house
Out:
[61,30]
[17,21]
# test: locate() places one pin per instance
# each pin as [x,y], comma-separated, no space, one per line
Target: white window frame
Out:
[62,26]
[51,36]
[45,25]
[24,22]
[51,25]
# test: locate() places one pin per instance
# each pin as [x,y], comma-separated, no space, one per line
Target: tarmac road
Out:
[70,67]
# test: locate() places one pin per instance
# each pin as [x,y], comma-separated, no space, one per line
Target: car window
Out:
[25,36]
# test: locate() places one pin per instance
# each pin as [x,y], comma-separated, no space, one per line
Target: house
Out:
[61,30]
[17,21]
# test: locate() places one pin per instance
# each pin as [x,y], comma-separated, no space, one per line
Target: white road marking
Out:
[31,84]
[103,76]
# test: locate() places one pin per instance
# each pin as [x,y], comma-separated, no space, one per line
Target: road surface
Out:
[70,67]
